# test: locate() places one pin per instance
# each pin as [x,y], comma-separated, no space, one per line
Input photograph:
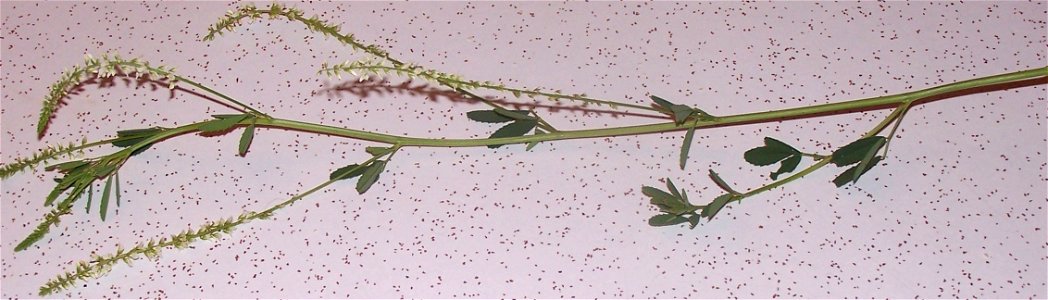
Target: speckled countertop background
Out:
[958,210]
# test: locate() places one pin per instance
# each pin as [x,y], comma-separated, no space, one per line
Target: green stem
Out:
[854,105]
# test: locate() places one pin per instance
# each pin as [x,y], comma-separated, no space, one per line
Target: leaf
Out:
[221,123]
[857,150]
[533,144]
[66,166]
[139,132]
[378,151]
[866,159]
[721,183]
[694,220]
[773,151]
[370,176]
[103,205]
[666,105]
[117,174]
[246,138]
[684,148]
[788,165]
[681,113]
[673,189]
[515,114]
[848,175]
[490,116]
[666,220]
[714,207]
[347,172]
[517,128]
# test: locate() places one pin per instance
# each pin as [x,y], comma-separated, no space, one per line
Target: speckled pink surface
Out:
[958,210]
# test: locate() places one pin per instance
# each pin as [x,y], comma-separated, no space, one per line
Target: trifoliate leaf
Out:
[666,220]
[772,152]
[714,207]
[245,139]
[849,174]
[347,172]
[684,148]
[857,150]
[788,165]
[517,128]
[221,123]
[490,116]
[721,183]
[103,205]
[370,176]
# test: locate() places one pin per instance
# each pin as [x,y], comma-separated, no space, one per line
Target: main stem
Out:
[866,103]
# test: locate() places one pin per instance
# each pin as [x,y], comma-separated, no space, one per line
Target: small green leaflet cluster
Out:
[520,123]
[368,171]
[681,114]
[862,154]
[677,209]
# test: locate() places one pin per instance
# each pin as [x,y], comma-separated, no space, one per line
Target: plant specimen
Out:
[515,127]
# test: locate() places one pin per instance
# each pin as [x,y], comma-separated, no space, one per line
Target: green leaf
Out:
[533,144]
[788,165]
[714,207]
[666,105]
[849,174]
[103,205]
[673,189]
[117,174]
[66,166]
[490,116]
[517,128]
[63,185]
[246,138]
[87,208]
[694,220]
[654,192]
[370,176]
[515,114]
[666,220]
[772,152]
[684,148]
[222,123]
[140,132]
[347,172]
[721,183]
[866,159]
[681,113]
[857,150]
[378,151]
